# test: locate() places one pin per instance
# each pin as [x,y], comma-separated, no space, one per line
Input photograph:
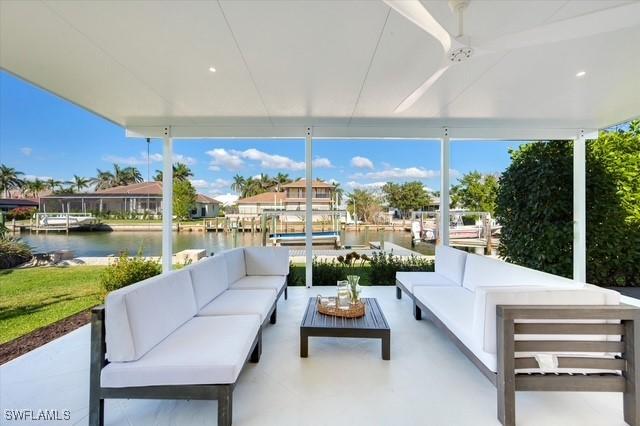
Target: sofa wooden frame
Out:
[223,393]
[507,381]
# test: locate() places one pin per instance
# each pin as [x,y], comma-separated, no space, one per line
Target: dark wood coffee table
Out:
[372,325]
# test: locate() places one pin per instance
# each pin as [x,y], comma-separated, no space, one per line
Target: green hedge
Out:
[535,208]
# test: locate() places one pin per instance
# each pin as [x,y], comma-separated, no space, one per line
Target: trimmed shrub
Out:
[13,252]
[128,270]
[383,267]
[535,208]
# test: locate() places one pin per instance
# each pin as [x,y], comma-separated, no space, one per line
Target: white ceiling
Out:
[338,64]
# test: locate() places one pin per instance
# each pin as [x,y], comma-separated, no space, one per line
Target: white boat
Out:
[64,219]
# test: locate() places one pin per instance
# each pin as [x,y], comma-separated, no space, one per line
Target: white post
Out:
[308,228]
[167,201]
[444,189]
[579,209]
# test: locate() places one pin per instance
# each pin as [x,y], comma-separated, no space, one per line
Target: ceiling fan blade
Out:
[417,94]
[415,12]
[603,21]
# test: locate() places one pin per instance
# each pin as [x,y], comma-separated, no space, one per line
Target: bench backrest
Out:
[209,277]
[140,316]
[266,260]
[450,263]
[483,271]
[236,268]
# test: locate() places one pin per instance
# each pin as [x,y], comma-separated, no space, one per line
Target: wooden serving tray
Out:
[354,310]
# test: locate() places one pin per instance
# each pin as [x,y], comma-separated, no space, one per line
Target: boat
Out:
[63,219]
[298,238]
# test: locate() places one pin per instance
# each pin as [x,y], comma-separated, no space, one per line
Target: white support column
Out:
[444,189]
[308,227]
[167,201]
[579,208]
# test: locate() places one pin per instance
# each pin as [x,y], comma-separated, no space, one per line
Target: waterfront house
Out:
[8,204]
[134,199]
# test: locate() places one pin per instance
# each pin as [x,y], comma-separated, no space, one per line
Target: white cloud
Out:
[398,173]
[26,151]
[322,163]
[213,186]
[271,161]
[34,177]
[199,183]
[153,158]
[361,162]
[359,185]
[221,158]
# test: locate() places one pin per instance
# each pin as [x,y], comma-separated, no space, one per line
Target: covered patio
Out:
[429,71]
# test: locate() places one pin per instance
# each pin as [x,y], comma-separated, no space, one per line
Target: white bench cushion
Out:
[450,263]
[483,271]
[411,279]
[274,282]
[239,302]
[140,316]
[266,260]
[236,268]
[205,350]
[209,278]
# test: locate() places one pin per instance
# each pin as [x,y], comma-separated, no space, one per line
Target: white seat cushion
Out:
[209,278]
[254,282]
[139,316]
[450,263]
[411,279]
[483,271]
[205,350]
[266,260]
[236,268]
[239,302]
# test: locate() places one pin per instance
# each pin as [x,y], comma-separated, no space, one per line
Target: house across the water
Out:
[135,199]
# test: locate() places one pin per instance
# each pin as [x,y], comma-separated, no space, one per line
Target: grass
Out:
[35,297]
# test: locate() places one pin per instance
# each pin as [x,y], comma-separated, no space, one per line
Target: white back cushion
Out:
[236,268]
[450,263]
[482,271]
[140,316]
[487,298]
[267,260]
[209,278]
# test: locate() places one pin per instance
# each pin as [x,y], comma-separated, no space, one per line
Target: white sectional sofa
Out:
[188,333]
[482,303]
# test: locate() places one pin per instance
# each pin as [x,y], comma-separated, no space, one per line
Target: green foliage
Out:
[535,208]
[10,179]
[476,192]
[21,213]
[13,252]
[328,272]
[184,198]
[407,196]
[383,267]
[363,204]
[128,270]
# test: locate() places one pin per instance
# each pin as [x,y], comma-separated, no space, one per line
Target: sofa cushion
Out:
[209,278]
[274,282]
[140,316]
[205,350]
[266,260]
[450,263]
[487,298]
[240,302]
[411,279]
[236,268]
[483,271]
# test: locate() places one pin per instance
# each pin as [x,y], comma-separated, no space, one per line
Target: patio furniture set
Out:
[188,334]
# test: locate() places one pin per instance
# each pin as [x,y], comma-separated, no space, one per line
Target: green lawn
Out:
[35,297]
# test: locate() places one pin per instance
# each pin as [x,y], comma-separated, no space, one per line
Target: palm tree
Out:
[53,184]
[34,187]
[265,182]
[104,179]
[180,172]
[131,175]
[280,180]
[339,192]
[238,184]
[9,179]
[79,183]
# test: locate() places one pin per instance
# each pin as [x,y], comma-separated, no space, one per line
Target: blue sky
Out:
[45,136]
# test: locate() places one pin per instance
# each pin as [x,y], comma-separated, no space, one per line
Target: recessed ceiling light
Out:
[212,69]
[581,74]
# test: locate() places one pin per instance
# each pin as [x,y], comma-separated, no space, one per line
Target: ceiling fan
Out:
[458,49]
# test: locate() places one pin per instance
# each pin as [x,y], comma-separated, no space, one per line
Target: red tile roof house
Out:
[137,198]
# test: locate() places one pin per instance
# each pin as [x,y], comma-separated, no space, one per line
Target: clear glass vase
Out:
[344,295]
[354,287]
